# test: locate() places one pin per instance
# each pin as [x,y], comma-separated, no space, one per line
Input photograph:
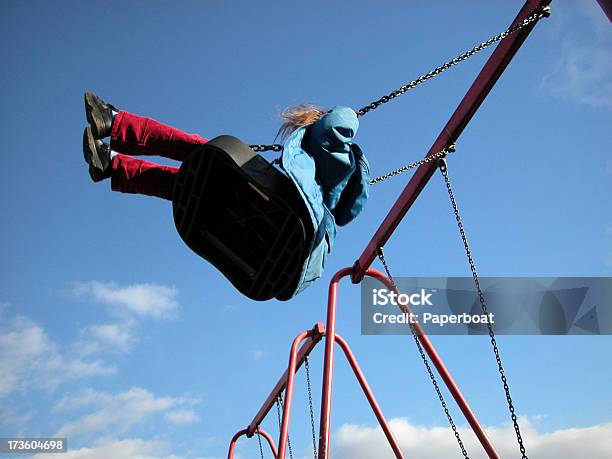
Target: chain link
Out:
[312,422]
[439,155]
[273,147]
[280,405]
[543,12]
[381,256]
[483,305]
[540,13]
[259,440]
[537,15]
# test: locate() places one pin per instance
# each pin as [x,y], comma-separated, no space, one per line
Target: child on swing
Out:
[318,154]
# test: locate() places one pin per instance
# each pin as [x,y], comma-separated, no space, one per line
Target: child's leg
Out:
[133,134]
[132,175]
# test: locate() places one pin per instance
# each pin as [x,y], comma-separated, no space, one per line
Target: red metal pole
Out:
[230,454]
[314,336]
[606,6]
[444,373]
[370,396]
[488,76]
[328,364]
[284,433]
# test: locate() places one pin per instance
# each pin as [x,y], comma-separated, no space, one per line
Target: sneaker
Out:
[97,155]
[99,115]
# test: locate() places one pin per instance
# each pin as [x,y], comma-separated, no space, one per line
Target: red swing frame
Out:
[486,79]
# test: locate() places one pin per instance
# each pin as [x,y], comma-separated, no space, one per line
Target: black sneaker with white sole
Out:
[98,155]
[99,115]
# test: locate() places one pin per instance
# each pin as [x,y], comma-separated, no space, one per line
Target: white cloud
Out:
[86,398]
[583,74]
[116,413]
[13,420]
[129,304]
[113,335]
[119,449]
[258,354]
[143,300]
[181,417]
[77,368]
[421,442]
[29,358]
[583,71]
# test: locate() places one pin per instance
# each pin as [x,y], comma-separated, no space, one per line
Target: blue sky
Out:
[114,334]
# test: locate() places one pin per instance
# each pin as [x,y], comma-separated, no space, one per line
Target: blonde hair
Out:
[298,116]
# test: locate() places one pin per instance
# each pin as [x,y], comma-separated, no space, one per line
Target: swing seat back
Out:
[247,218]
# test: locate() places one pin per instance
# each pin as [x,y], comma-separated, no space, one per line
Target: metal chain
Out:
[540,13]
[543,12]
[483,305]
[312,422]
[274,147]
[279,405]
[381,256]
[439,155]
[259,440]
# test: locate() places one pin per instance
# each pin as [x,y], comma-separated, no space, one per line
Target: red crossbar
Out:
[314,336]
[488,76]
[450,383]
[261,432]
[302,345]
[305,342]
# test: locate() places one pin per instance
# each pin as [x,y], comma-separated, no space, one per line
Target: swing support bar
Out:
[305,342]
[313,336]
[486,79]
[261,433]
[301,347]
[326,396]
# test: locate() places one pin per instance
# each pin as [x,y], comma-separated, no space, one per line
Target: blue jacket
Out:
[332,174]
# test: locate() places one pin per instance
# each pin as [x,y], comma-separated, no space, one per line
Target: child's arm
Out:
[355,194]
[341,168]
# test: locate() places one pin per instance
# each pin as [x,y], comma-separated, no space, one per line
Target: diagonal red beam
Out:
[606,6]
[486,79]
[314,336]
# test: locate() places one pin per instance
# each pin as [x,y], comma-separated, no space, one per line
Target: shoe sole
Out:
[93,113]
[90,153]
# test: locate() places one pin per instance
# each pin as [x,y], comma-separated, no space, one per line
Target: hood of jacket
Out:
[332,175]
[329,142]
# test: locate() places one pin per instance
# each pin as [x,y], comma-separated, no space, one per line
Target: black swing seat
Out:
[247,218]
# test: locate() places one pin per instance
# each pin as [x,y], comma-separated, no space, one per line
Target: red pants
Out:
[136,135]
